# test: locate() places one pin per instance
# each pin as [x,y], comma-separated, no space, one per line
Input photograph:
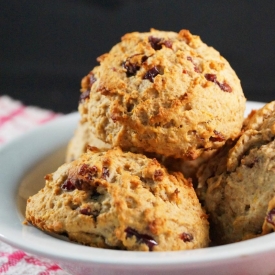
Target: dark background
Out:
[46,47]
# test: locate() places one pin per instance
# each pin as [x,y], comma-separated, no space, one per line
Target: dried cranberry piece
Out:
[168,44]
[151,74]
[81,184]
[84,95]
[87,171]
[85,211]
[92,79]
[158,175]
[270,217]
[72,183]
[223,86]
[88,212]
[93,169]
[156,43]
[211,77]
[218,137]
[183,97]
[143,238]
[83,169]
[131,68]
[144,58]
[68,185]
[105,172]
[186,237]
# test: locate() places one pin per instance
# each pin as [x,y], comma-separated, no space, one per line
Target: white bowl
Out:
[23,164]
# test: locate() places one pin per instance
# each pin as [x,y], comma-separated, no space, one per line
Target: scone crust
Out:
[122,201]
[237,186]
[163,92]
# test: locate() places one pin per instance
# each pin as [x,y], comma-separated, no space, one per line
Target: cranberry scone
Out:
[120,200]
[237,186]
[162,92]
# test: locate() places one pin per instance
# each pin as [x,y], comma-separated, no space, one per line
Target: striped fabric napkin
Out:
[16,119]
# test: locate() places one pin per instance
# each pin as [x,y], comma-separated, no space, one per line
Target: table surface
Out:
[15,120]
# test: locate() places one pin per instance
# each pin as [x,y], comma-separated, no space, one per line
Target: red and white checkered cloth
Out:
[16,119]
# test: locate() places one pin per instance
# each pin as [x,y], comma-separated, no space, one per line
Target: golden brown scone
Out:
[163,92]
[122,201]
[237,186]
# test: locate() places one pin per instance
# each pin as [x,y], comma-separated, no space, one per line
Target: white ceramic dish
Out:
[24,162]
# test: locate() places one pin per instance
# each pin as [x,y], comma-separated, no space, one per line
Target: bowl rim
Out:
[32,146]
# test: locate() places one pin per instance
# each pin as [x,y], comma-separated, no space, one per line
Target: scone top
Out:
[163,92]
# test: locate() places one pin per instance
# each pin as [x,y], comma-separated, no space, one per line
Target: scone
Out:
[122,201]
[80,141]
[163,92]
[237,186]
